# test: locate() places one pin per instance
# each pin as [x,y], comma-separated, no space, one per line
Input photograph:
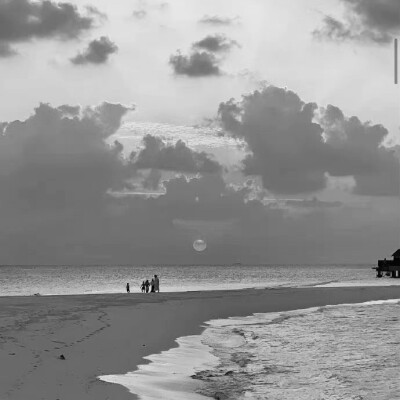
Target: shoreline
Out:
[323,284]
[109,334]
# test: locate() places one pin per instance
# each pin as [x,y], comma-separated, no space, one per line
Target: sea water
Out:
[53,280]
[341,352]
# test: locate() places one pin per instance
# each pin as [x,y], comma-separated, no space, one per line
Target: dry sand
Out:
[109,334]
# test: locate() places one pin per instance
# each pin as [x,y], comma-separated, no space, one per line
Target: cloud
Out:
[68,110]
[215,43]
[152,180]
[98,52]
[367,21]
[157,155]
[197,64]
[203,60]
[6,50]
[48,160]
[144,9]
[218,21]
[355,149]
[294,150]
[57,172]
[23,20]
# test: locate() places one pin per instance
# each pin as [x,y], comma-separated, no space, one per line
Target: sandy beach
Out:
[110,334]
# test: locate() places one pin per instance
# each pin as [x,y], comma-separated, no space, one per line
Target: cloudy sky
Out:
[129,129]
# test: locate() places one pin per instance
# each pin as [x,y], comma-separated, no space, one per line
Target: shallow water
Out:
[344,352]
[333,352]
[47,280]
[168,375]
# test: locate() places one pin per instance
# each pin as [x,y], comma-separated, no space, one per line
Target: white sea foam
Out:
[168,375]
[348,351]
[358,283]
[340,352]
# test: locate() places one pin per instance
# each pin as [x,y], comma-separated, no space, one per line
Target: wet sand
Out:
[110,334]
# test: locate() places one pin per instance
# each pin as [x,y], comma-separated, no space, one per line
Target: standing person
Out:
[156,284]
[152,286]
[128,290]
[143,287]
[147,284]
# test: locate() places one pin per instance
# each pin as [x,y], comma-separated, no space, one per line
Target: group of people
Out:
[153,286]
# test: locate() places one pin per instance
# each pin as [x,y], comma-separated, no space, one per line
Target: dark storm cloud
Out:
[56,175]
[355,149]
[236,227]
[197,64]
[285,144]
[23,20]
[294,152]
[48,160]
[367,20]
[215,43]
[215,20]
[98,52]
[383,14]
[156,154]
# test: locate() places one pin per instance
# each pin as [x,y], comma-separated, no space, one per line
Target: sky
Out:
[130,129]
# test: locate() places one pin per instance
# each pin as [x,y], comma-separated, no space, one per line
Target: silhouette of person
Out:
[156,284]
[152,286]
[128,290]
[143,287]
[147,284]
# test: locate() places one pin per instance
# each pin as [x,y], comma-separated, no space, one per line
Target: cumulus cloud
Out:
[57,172]
[366,21]
[23,20]
[98,52]
[216,20]
[215,43]
[355,149]
[203,60]
[48,160]
[295,152]
[157,155]
[197,64]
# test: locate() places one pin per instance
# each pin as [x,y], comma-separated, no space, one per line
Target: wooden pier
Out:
[389,267]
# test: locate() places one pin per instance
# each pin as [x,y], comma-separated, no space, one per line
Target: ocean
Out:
[64,280]
[342,352]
